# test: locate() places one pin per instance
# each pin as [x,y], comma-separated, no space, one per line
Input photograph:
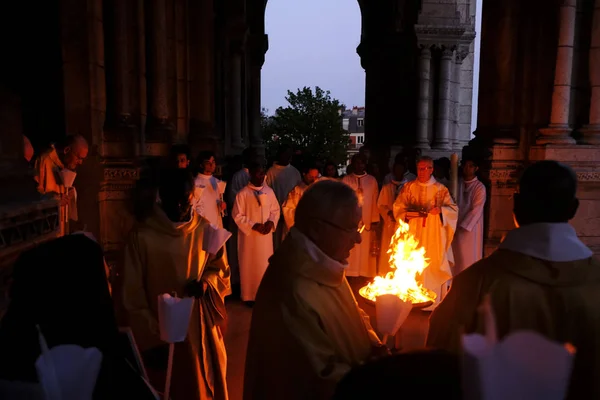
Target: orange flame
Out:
[408,262]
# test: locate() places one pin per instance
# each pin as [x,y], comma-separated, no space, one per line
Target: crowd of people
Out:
[298,232]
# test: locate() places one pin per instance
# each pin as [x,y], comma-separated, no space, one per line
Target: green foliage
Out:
[310,123]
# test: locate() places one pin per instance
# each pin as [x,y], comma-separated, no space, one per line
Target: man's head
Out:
[284,155]
[359,164]
[72,151]
[180,156]
[206,162]
[365,150]
[257,173]
[330,170]
[398,171]
[329,215]
[547,193]
[424,169]
[441,168]
[310,173]
[248,155]
[176,189]
[469,168]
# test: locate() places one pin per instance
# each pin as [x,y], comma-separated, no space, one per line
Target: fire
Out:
[408,262]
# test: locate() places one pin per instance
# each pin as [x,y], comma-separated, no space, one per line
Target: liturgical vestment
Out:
[307,330]
[290,205]
[542,278]
[467,245]
[207,205]
[361,261]
[254,205]
[435,233]
[282,179]
[161,257]
[387,196]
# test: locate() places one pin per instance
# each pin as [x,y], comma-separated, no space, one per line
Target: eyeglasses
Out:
[360,229]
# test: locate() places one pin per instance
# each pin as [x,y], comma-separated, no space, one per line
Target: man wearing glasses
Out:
[307,330]
[426,205]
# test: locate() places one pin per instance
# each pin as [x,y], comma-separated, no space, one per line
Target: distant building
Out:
[353,121]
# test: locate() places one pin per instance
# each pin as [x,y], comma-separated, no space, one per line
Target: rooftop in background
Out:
[353,120]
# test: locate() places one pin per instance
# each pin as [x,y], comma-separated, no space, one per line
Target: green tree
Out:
[310,123]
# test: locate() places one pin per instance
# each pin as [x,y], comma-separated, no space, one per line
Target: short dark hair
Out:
[202,157]
[254,165]
[307,166]
[69,140]
[360,157]
[176,185]
[178,149]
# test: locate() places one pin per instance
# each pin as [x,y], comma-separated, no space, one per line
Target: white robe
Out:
[468,241]
[289,206]
[254,205]
[282,179]
[361,261]
[436,236]
[239,180]
[385,203]
[207,205]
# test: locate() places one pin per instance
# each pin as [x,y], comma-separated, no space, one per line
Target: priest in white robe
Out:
[426,205]
[468,241]
[282,177]
[310,174]
[363,260]
[256,212]
[209,203]
[385,203]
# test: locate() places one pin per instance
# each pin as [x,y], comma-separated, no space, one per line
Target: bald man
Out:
[542,278]
[55,171]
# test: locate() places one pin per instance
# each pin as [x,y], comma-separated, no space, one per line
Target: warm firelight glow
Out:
[408,262]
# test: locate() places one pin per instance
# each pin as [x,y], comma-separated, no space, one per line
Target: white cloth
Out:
[408,176]
[315,253]
[239,180]
[556,242]
[436,236]
[468,240]
[254,205]
[282,179]
[385,203]
[289,206]
[207,204]
[361,262]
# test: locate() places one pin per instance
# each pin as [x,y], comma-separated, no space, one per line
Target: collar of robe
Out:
[256,188]
[55,158]
[160,222]
[323,269]
[430,182]
[556,242]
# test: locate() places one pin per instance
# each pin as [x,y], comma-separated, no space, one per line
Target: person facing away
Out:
[164,254]
[54,164]
[541,278]
[385,202]
[307,330]
[180,156]
[61,287]
[330,171]
[427,207]
[467,245]
[310,174]
[209,203]
[362,261]
[256,212]
[282,177]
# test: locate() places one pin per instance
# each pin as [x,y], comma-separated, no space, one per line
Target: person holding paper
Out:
[310,174]
[427,207]
[209,204]
[256,212]
[164,254]
[542,278]
[307,330]
[468,241]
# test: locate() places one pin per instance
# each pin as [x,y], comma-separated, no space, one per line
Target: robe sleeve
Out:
[289,208]
[475,214]
[239,215]
[217,275]
[135,301]
[385,202]
[274,210]
[401,202]
[449,215]
[44,176]
[456,314]
[374,209]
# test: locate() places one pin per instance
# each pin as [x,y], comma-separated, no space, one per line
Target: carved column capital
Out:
[447,52]
[425,50]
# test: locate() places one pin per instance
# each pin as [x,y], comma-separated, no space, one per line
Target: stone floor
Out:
[411,336]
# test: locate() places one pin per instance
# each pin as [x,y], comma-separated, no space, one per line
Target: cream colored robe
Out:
[161,257]
[282,180]
[207,205]
[361,261]
[307,330]
[385,202]
[289,206]
[436,236]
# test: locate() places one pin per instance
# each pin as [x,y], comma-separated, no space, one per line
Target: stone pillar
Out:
[424,112]
[160,108]
[235,82]
[459,57]
[442,136]
[258,45]
[591,132]
[559,130]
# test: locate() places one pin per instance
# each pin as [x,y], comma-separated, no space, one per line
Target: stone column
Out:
[462,52]
[236,99]
[442,136]
[559,130]
[258,45]
[424,112]
[122,52]
[591,132]
[160,108]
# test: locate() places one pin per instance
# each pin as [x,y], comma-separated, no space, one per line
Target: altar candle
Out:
[454,175]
